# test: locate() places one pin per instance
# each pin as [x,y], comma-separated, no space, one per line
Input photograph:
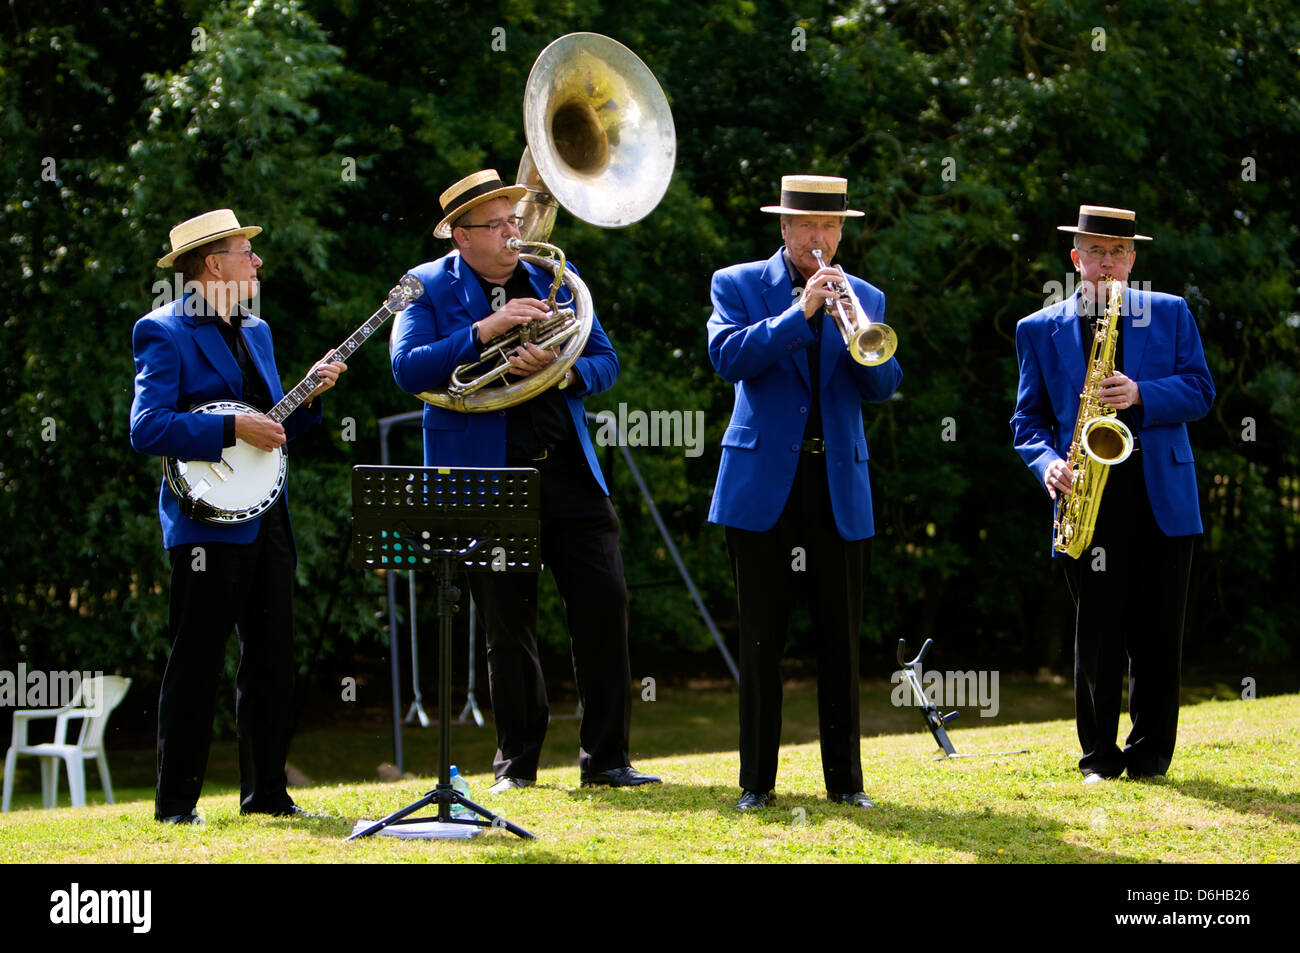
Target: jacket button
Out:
[803,410]
[501,413]
[794,448]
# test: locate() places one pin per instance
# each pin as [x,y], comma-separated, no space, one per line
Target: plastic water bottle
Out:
[462,788]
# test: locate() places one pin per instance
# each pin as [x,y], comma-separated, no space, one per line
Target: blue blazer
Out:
[1162,353]
[758,340]
[435,334]
[179,364]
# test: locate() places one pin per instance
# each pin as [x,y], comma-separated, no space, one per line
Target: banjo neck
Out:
[298,396]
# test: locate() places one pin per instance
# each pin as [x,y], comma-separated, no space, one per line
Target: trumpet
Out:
[870,343]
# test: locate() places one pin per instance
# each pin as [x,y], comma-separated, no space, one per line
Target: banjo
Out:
[246,482]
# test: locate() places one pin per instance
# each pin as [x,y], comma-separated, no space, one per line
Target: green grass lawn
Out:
[1233,795]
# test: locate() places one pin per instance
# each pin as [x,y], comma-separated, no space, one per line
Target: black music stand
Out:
[431,519]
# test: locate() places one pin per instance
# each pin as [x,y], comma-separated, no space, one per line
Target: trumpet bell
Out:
[600,132]
[873,345]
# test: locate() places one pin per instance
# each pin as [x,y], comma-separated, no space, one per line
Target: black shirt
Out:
[543,423]
[1087,331]
[813,429]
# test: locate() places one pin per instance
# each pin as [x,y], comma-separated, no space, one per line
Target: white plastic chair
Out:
[94,702]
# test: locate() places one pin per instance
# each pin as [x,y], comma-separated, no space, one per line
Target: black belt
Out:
[813,445]
[516,458]
[561,458]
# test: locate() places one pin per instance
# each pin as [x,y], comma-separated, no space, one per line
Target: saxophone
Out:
[1100,441]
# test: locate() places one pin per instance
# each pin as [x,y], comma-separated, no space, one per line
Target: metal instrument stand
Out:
[416,711]
[438,519]
[934,719]
[471,703]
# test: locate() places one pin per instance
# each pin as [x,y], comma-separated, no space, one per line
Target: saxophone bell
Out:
[1107,440]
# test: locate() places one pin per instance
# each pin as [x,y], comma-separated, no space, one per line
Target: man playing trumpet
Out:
[793,490]
[478,291]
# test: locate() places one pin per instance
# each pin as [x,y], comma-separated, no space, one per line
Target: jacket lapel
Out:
[1138,308]
[466,287]
[833,348]
[778,293]
[1068,339]
[214,348]
[540,278]
[264,360]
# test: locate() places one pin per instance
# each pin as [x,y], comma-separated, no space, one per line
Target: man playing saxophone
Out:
[1129,583]
[478,291]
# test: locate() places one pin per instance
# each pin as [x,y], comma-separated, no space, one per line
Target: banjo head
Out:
[241,486]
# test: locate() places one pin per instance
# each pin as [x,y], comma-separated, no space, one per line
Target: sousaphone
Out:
[601,143]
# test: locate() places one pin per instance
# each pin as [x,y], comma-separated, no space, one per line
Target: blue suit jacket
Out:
[435,334]
[179,364]
[1162,353]
[758,339]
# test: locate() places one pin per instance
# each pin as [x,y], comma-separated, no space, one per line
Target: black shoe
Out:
[292,811]
[628,777]
[301,814]
[857,799]
[190,818]
[1149,778]
[753,801]
[503,785]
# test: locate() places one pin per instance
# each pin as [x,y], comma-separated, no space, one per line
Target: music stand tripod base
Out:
[439,519]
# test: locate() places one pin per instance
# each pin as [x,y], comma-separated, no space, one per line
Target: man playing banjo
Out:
[204,347]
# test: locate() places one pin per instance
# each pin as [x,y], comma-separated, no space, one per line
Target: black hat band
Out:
[1105,225]
[815,201]
[470,194]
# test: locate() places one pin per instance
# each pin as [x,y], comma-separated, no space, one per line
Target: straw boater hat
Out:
[471,191]
[814,195]
[202,229]
[1105,223]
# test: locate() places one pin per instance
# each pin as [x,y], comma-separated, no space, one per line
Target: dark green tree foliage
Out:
[969,130]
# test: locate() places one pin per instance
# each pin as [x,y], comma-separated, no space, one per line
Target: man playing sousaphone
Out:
[1129,580]
[477,292]
[793,490]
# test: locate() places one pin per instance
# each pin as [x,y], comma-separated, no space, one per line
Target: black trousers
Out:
[580,546]
[803,555]
[1130,592]
[214,588]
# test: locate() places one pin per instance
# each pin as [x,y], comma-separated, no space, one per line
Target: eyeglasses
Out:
[1097,253]
[236,251]
[497,224]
